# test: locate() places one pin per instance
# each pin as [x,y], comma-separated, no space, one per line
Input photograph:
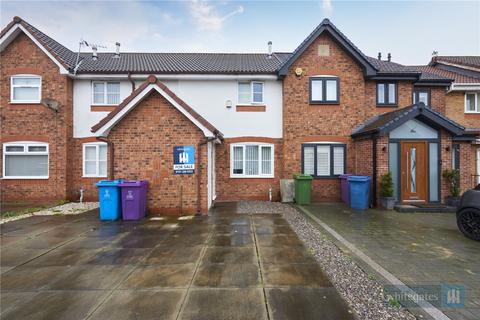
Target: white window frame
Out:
[477,107]
[25,151]
[105,93]
[260,145]
[97,160]
[30,76]
[251,93]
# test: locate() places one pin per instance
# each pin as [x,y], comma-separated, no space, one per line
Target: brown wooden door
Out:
[413,161]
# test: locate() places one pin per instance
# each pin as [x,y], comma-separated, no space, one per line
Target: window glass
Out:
[90,153]
[317,90]
[25,94]
[391,93]
[26,165]
[380,93]
[251,160]
[323,160]
[433,172]
[26,81]
[257,88]
[113,92]
[331,90]
[338,160]
[266,160]
[25,88]
[14,148]
[98,92]
[95,160]
[393,166]
[423,97]
[309,160]
[238,160]
[470,102]
[37,148]
[244,92]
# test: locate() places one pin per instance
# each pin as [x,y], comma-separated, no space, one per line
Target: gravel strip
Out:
[362,293]
[68,208]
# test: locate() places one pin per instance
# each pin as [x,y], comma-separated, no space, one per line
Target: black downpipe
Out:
[374,178]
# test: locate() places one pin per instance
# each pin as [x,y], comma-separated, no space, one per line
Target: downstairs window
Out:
[25,160]
[323,160]
[95,159]
[251,160]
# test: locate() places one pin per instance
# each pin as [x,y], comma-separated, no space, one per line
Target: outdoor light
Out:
[447,148]
[298,72]
[228,104]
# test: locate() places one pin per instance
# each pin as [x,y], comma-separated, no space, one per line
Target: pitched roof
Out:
[384,123]
[327,26]
[199,63]
[455,76]
[62,54]
[467,61]
[152,80]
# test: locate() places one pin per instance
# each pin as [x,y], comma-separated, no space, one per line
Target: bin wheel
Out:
[468,221]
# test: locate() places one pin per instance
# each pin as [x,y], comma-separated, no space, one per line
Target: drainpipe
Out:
[111,152]
[131,81]
[199,172]
[374,164]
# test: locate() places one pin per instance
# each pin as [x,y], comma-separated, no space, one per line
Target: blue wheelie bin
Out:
[110,199]
[359,187]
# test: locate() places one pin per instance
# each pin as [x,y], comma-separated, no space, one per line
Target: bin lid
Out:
[108,183]
[302,177]
[133,183]
[359,178]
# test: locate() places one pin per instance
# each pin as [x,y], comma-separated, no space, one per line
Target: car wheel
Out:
[468,221]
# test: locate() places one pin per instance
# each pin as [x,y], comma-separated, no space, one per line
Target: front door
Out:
[414,171]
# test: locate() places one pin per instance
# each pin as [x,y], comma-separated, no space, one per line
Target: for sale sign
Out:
[183,159]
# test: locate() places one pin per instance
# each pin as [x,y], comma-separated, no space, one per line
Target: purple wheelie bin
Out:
[345,190]
[134,199]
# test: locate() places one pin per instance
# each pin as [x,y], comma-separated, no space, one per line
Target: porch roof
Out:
[384,123]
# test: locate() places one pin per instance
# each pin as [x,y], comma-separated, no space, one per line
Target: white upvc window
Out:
[472,100]
[25,88]
[95,159]
[25,160]
[251,160]
[250,92]
[105,93]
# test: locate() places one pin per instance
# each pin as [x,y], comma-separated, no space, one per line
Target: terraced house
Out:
[70,119]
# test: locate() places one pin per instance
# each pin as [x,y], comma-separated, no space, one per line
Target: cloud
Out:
[327,7]
[207,17]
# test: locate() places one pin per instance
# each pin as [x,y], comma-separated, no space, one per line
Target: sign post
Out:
[183,159]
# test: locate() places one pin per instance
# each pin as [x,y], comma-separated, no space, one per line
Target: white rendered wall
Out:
[207,97]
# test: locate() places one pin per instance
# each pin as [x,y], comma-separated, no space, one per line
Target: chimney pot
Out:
[94,53]
[389,57]
[379,56]
[117,52]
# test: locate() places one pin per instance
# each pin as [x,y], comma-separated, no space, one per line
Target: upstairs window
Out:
[251,160]
[324,90]
[25,160]
[386,94]
[471,102]
[421,96]
[250,92]
[26,89]
[105,93]
[323,160]
[95,159]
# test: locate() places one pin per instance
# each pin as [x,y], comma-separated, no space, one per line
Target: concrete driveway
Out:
[420,249]
[225,266]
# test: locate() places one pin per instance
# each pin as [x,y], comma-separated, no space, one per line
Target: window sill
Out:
[25,103]
[102,108]
[24,178]
[387,105]
[251,177]
[251,108]
[332,103]
[472,112]
[94,177]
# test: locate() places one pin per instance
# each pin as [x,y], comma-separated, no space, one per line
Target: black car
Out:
[468,214]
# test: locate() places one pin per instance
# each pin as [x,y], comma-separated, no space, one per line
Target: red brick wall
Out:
[303,122]
[232,189]
[143,149]
[455,110]
[35,122]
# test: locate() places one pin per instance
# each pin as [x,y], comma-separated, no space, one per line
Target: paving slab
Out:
[128,304]
[26,278]
[172,255]
[230,255]
[284,254]
[64,257]
[304,275]
[227,275]
[158,277]
[119,256]
[236,240]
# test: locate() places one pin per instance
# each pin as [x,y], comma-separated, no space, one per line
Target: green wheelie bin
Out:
[303,188]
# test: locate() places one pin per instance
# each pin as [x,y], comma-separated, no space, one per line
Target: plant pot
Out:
[452,201]
[387,202]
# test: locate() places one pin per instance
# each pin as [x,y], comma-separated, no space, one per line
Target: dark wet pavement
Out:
[420,249]
[225,266]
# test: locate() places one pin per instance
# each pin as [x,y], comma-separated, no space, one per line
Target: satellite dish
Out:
[51,103]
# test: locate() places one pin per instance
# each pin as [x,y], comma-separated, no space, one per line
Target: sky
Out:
[409,30]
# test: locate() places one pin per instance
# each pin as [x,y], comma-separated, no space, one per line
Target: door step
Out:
[438,208]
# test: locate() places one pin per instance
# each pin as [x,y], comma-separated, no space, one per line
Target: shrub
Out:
[453,179]
[386,185]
